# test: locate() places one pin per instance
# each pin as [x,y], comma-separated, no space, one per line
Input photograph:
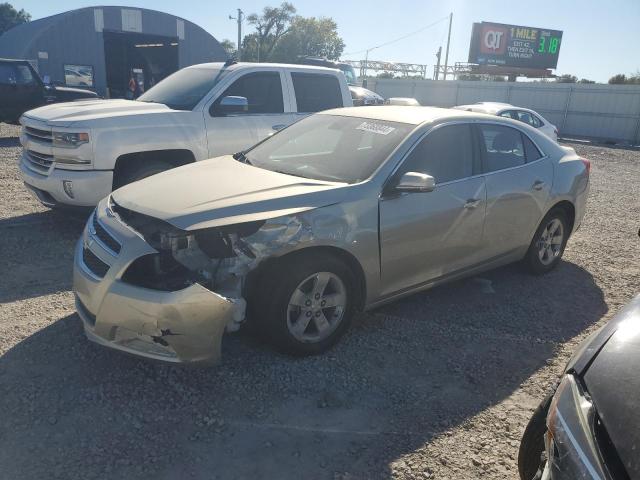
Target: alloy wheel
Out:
[316,307]
[550,242]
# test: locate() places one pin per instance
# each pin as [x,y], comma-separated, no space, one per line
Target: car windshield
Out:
[329,147]
[350,73]
[185,88]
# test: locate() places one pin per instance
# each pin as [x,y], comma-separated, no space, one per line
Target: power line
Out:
[399,38]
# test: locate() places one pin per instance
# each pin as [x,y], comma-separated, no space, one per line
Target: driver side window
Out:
[263,91]
[446,154]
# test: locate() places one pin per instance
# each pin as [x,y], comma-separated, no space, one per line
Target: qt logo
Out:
[493,40]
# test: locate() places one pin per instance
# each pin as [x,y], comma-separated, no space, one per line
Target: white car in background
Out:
[402,101]
[507,110]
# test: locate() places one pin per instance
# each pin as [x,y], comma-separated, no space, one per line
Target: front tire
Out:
[548,243]
[305,303]
[530,455]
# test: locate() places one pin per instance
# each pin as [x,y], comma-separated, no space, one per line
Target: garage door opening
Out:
[146,59]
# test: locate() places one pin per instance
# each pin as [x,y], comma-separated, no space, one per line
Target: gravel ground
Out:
[439,385]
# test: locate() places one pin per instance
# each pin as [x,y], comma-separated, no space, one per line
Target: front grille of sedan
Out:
[43,136]
[94,264]
[104,236]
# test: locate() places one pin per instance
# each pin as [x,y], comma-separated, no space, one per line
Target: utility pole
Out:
[438,54]
[239,18]
[446,56]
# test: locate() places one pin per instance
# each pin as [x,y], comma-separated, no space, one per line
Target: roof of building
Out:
[15,42]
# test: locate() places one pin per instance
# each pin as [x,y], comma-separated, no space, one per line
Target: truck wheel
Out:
[305,303]
[138,171]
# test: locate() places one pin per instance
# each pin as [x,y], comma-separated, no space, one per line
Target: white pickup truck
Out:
[77,153]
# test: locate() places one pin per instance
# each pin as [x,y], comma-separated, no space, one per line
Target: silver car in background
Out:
[525,115]
[343,211]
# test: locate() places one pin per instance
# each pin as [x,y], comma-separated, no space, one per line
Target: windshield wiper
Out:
[241,157]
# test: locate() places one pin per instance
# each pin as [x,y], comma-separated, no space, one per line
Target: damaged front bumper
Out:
[180,325]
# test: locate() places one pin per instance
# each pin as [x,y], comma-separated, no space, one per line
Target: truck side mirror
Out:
[230,105]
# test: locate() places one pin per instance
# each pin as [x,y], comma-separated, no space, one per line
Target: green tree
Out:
[618,79]
[309,37]
[586,80]
[270,27]
[567,78]
[229,47]
[622,79]
[10,17]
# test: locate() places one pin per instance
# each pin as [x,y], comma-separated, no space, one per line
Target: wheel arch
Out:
[255,277]
[176,157]
[569,210]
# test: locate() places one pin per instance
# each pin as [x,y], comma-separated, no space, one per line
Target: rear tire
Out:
[138,171]
[530,455]
[548,243]
[288,310]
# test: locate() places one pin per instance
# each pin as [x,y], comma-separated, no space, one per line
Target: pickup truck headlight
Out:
[69,140]
[571,445]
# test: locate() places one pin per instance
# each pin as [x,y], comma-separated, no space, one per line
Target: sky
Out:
[601,37]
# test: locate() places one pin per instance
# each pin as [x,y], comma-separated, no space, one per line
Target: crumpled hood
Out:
[87,110]
[613,382]
[224,191]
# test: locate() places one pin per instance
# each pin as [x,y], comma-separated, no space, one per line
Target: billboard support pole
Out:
[446,56]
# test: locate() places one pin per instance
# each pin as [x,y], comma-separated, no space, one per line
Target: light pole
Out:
[239,18]
[446,56]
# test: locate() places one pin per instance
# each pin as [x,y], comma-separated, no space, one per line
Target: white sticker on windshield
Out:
[378,128]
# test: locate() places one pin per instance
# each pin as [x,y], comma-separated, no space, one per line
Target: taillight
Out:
[587,165]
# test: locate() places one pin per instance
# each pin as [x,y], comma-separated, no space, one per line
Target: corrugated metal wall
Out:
[610,112]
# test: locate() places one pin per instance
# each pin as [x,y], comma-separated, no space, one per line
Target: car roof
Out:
[403,114]
[245,65]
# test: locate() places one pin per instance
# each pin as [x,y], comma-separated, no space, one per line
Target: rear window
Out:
[530,150]
[315,93]
[502,147]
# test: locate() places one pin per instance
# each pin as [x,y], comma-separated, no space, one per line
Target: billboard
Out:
[514,46]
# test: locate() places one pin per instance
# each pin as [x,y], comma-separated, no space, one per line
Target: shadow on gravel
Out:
[37,253]
[404,374]
[9,142]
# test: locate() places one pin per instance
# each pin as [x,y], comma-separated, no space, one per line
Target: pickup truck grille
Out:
[104,236]
[44,136]
[39,162]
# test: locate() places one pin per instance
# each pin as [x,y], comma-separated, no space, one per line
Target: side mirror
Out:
[231,104]
[416,182]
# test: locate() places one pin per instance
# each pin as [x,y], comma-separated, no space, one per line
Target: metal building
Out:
[103,47]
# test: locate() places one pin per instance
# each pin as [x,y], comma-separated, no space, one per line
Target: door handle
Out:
[279,126]
[472,203]
[538,185]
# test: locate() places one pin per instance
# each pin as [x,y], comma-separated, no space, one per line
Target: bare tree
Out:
[270,27]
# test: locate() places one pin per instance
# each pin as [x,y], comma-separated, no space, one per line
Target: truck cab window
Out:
[262,90]
[315,93]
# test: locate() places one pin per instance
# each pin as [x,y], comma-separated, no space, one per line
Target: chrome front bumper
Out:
[178,326]
[89,186]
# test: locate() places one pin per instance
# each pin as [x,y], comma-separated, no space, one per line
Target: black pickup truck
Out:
[22,89]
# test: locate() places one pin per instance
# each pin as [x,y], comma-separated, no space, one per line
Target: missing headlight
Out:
[159,271]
